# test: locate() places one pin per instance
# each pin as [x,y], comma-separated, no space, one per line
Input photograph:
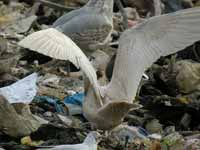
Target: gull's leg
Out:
[68,69]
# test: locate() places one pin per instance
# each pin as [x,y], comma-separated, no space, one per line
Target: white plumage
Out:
[142,45]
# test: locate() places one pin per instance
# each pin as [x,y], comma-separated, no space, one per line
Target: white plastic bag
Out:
[22,91]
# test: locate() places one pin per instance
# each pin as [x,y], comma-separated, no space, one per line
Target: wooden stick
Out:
[56,6]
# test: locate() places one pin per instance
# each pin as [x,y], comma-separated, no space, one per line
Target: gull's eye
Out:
[91,58]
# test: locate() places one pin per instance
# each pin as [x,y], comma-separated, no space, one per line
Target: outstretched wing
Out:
[55,44]
[139,47]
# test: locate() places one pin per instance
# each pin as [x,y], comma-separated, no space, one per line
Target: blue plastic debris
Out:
[76,99]
[57,103]
[73,103]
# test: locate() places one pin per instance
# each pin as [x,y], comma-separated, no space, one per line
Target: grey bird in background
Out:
[89,27]
[139,47]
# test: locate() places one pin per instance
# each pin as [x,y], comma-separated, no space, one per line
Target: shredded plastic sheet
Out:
[57,103]
[22,91]
[76,99]
[73,103]
[90,143]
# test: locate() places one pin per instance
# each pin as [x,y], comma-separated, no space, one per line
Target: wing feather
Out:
[55,44]
[142,45]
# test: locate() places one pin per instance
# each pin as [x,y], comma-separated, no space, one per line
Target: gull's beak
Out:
[145,77]
[136,106]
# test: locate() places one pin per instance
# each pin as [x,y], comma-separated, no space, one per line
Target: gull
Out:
[139,47]
[90,26]
[90,143]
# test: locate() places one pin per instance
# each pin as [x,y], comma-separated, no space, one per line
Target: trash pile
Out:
[42,99]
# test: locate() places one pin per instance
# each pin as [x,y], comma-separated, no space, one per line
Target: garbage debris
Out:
[57,103]
[23,91]
[28,141]
[19,121]
[187,77]
[76,99]
[90,143]
[52,116]
[154,126]
[124,131]
[22,25]
[71,105]
[174,141]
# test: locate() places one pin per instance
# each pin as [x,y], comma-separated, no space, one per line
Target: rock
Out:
[19,121]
